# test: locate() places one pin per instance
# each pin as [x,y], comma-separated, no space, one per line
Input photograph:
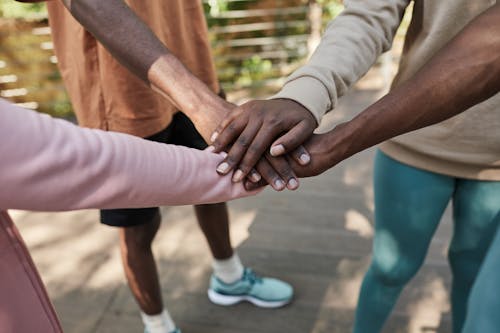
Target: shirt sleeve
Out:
[350,45]
[50,164]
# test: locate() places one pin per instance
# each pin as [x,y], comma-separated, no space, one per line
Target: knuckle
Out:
[244,142]
[270,174]
[253,150]
[245,168]
[230,160]
[285,171]
[231,127]
[274,121]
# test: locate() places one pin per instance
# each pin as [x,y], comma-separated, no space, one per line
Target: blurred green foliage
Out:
[253,69]
[28,11]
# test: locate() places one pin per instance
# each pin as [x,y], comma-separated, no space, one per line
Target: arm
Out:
[464,73]
[136,47]
[349,47]
[132,43]
[50,164]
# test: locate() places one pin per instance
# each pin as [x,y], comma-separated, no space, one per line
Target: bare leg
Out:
[214,222]
[139,265]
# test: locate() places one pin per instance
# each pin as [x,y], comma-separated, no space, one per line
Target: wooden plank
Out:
[236,28]
[233,14]
[261,41]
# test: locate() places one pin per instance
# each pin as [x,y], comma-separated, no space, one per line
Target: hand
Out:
[252,127]
[275,171]
[322,159]
[326,150]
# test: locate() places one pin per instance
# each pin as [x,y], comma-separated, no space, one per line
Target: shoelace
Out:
[250,276]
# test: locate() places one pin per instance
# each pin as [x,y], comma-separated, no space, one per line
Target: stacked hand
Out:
[279,130]
[261,166]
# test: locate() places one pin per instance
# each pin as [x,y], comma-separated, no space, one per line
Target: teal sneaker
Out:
[260,291]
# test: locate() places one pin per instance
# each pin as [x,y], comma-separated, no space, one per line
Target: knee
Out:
[395,274]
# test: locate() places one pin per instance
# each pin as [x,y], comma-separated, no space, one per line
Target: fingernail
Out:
[277,150]
[305,158]
[293,184]
[279,184]
[238,176]
[210,149]
[214,136]
[223,168]
[255,176]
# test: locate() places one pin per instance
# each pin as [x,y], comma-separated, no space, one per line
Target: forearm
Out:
[464,73]
[50,164]
[134,45]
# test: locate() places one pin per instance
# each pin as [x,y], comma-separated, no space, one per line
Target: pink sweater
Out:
[50,165]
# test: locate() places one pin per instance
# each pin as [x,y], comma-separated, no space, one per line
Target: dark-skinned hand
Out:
[268,128]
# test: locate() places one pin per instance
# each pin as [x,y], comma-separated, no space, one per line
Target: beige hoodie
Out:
[465,146]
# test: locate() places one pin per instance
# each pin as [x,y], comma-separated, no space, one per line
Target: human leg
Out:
[475,211]
[214,222]
[139,264]
[409,203]
[484,304]
[137,229]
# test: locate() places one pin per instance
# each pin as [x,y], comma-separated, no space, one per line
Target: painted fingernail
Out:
[279,184]
[238,176]
[277,150]
[210,149]
[293,184]
[305,158]
[255,177]
[223,168]
[214,136]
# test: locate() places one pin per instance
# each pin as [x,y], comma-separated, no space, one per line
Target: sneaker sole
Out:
[226,300]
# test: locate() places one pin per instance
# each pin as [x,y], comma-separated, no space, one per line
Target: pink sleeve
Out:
[50,164]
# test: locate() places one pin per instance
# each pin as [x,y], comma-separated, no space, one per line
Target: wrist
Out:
[169,77]
[340,143]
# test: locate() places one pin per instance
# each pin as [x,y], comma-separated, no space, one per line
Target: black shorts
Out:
[181,131]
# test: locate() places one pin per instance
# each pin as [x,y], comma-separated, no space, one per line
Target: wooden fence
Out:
[256,43]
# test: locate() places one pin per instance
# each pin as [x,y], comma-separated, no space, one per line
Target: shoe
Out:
[260,291]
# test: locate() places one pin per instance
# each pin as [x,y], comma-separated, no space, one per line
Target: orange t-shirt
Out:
[106,95]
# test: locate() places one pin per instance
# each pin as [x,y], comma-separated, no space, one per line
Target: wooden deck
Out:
[318,239]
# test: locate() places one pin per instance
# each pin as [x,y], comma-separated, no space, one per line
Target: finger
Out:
[292,139]
[250,186]
[269,175]
[257,148]
[224,124]
[230,133]
[236,152]
[254,176]
[284,170]
[301,155]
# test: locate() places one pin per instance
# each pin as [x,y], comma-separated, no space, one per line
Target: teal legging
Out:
[409,204]
[483,314]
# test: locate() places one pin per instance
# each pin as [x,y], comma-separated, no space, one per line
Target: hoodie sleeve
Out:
[50,165]
[350,45]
